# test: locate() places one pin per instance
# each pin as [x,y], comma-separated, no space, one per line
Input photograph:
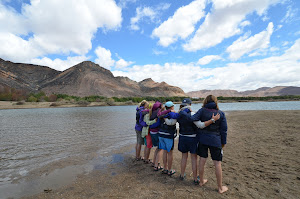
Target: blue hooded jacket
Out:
[215,134]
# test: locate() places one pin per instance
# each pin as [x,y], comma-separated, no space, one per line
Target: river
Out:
[34,138]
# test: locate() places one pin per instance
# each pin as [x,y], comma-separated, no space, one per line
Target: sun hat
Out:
[186,101]
[169,104]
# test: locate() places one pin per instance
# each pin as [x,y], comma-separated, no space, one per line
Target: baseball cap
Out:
[169,104]
[186,101]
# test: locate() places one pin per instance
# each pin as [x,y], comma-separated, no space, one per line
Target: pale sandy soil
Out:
[261,160]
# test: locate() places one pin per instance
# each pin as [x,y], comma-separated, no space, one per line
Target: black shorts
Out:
[215,152]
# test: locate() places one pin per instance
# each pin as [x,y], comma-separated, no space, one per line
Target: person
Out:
[166,140]
[138,129]
[188,137]
[154,128]
[145,133]
[213,138]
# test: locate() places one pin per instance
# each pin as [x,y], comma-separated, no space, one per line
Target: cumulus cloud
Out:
[104,57]
[225,21]
[55,26]
[181,24]
[105,60]
[207,59]
[59,64]
[273,71]
[243,46]
[146,12]
[122,63]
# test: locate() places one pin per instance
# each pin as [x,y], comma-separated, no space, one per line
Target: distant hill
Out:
[84,79]
[261,92]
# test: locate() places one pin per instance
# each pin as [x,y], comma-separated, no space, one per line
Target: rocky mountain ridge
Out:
[83,79]
[260,92]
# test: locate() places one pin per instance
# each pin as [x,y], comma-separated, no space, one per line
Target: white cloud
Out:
[207,59]
[59,64]
[104,57]
[122,63]
[224,21]
[243,46]
[56,27]
[285,43]
[181,24]
[105,60]
[147,12]
[273,71]
[140,13]
[290,15]
[159,52]
[245,23]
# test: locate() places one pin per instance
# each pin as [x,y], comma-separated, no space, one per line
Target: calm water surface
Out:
[33,138]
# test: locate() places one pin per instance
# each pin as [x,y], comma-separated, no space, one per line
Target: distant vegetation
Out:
[10,94]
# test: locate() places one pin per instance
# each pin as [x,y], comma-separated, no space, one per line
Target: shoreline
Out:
[68,104]
[259,162]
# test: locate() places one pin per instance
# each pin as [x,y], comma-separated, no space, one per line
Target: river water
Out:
[34,138]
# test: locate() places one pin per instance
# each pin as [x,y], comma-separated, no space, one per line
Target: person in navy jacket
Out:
[188,140]
[213,137]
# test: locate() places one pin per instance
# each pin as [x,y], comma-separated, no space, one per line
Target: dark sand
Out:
[261,160]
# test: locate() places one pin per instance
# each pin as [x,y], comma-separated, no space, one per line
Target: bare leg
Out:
[165,159]
[194,165]
[158,156]
[218,170]
[155,155]
[170,159]
[138,150]
[147,153]
[184,158]
[202,162]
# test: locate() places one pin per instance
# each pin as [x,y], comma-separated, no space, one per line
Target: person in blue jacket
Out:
[166,140]
[213,138]
[138,128]
[188,141]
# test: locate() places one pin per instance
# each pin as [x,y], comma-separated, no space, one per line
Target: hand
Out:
[215,117]
[223,145]
[156,119]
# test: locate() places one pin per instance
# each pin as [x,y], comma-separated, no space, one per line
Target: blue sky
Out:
[200,44]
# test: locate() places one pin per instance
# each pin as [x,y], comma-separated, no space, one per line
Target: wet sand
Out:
[261,160]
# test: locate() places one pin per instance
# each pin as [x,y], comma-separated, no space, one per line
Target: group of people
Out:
[156,126]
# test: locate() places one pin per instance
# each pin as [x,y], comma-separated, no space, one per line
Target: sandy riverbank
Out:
[61,104]
[261,160]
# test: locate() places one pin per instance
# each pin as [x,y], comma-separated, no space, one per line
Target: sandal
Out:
[158,168]
[171,172]
[196,182]
[147,161]
[138,159]
[152,164]
[165,171]
[182,177]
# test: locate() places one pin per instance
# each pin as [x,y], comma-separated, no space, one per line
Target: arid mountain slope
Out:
[261,92]
[26,77]
[84,79]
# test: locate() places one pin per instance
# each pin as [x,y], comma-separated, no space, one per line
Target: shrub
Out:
[32,99]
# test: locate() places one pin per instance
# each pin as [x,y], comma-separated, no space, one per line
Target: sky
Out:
[195,45]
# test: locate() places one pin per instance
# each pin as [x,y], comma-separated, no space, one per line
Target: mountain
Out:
[84,79]
[261,92]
